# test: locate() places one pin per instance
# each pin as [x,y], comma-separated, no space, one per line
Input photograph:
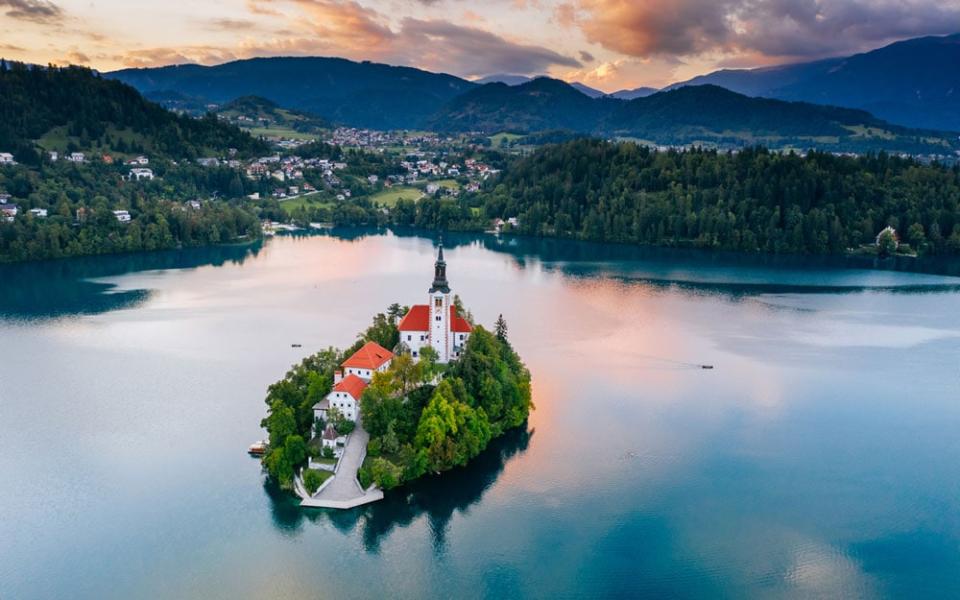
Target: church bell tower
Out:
[440,309]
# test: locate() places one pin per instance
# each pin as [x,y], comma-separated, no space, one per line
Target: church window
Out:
[438,302]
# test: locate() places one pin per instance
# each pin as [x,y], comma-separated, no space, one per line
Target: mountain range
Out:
[907,82]
[521,79]
[689,114]
[364,94]
[915,82]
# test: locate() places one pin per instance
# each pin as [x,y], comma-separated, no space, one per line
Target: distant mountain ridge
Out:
[630,94]
[914,82]
[363,94]
[689,114]
[512,80]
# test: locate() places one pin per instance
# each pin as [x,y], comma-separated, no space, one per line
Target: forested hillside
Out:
[79,202]
[362,94]
[753,201]
[74,109]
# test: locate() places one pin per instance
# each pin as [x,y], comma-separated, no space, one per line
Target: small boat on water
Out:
[257,448]
[296,345]
[706,366]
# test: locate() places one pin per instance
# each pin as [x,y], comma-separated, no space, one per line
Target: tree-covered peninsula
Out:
[754,200]
[423,417]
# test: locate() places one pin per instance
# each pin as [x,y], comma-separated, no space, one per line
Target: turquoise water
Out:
[819,458]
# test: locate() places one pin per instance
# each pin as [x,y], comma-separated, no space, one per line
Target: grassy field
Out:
[498,139]
[389,197]
[447,183]
[57,139]
[280,132]
[311,200]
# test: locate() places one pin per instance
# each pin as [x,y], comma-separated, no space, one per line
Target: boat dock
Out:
[343,491]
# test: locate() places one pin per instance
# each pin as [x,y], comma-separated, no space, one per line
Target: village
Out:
[381,167]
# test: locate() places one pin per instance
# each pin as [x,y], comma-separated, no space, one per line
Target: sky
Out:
[607,44]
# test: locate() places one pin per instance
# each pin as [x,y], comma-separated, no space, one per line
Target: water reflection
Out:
[438,498]
[728,273]
[51,289]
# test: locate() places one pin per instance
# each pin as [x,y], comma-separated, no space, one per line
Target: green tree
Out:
[887,243]
[501,328]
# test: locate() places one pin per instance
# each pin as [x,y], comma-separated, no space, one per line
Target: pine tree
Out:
[501,329]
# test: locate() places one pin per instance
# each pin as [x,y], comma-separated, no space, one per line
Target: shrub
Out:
[327,452]
[374,448]
[385,474]
[364,476]
[346,427]
[313,479]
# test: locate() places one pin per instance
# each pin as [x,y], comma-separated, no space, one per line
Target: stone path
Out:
[344,491]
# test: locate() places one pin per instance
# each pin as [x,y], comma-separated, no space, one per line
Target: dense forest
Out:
[754,200]
[79,201]
[74,109]
[416,426]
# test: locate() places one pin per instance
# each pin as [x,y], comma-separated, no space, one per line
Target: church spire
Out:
[440,273]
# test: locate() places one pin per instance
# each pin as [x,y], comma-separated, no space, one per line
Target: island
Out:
[422,391]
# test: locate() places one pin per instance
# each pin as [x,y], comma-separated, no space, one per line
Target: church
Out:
[436,323]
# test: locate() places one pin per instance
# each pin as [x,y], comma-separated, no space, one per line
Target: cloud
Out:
[649,27]
[232,24]
[75,57]
[804,28]
[346,28]
[471,52]
[769,28]
[586,56]
[37,11]
[158,57]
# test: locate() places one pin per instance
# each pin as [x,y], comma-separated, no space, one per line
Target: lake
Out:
[820,457]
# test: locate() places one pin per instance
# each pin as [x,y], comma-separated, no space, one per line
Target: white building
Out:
[54,156]
[330,437]
[345,397]
[436,323]
[39,213]
[366,361]
[122,216]
[9,211]
[139,173]
[77,157]
[7,159]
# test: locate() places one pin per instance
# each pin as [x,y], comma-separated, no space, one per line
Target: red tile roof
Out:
[352,385]
[371,356]
[457,323]
[416,319]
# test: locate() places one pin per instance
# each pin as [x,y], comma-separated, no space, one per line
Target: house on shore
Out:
[351,379]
